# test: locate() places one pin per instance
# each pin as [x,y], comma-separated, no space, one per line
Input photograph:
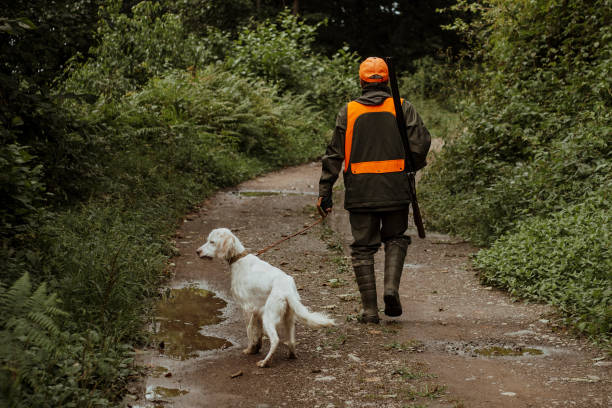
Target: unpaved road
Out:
[442,352]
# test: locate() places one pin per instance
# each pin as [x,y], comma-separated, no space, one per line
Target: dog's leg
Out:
[254,334]
[290,330]
[271,318]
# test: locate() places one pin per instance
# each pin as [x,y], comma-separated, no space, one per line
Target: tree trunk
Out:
[296,7]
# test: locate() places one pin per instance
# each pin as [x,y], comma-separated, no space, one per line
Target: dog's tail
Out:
[314,320]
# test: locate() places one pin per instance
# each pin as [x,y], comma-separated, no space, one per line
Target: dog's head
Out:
[221,243]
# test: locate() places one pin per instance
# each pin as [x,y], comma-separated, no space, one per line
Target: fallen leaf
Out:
[236,374]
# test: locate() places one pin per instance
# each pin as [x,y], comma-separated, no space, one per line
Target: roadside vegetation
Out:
[117,118]
[123,144]
[527,173]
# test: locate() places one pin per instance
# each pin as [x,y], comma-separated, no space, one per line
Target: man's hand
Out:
[324,205]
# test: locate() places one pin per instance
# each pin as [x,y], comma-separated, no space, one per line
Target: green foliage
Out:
[21,191]
[131,138]
[481,196]
[30,117]
[134,49]
[44,365]
[441,121]
[38,38]
[199,16]
[29,316]
[536,149]
[281,51]
[433,79]
[563,259]
[110,262]
[434,88]
[241,119]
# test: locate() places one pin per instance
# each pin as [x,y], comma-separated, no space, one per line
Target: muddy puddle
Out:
[505,350]
[180,317]
[157,394]
[498,351]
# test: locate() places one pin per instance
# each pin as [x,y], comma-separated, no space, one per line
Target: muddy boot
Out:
[366,280]
[395,252]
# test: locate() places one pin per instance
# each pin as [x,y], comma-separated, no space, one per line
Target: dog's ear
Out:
[227,246]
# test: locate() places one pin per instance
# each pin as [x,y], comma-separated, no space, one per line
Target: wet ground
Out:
[458,343]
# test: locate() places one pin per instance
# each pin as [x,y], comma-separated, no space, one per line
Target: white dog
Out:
[267,295]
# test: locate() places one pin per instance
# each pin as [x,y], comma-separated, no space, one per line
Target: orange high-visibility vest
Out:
[354,110]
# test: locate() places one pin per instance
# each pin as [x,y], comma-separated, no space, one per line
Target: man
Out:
[377,194]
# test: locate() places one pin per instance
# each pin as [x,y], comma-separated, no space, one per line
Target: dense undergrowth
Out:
[154,121]
[528,172]
[98,164]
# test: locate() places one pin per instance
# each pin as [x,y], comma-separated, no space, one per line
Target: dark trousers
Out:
[371,228]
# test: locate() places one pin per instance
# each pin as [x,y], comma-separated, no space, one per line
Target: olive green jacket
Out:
[374,139]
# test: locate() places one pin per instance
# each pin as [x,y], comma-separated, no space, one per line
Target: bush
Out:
[435,79]
[134,49]
[535,150]
[104,264]
[481,197]
[241,119]
[537,127]
[563,259]
[22,194]
[280,51]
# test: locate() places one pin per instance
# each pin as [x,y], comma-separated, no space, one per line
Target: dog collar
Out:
[237,257]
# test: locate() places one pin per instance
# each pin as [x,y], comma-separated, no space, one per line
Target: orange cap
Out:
[374,69]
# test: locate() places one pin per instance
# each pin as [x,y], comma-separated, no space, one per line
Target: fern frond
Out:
[30,317]
[13,299]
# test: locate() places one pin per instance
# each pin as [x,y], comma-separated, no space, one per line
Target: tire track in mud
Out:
[458,344]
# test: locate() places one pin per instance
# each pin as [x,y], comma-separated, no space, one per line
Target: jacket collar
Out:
[374,94]
[375,87]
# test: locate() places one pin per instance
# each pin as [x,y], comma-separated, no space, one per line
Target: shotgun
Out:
[410,170]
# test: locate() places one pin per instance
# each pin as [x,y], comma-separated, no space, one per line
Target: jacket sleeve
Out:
[334,156]
[418,135]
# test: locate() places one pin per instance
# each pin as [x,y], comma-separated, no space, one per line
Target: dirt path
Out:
[442,352]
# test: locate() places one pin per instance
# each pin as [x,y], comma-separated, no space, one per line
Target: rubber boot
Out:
[366,280]
[395,253]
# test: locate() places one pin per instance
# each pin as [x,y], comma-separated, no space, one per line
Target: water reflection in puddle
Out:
[179,319]
[158,394]
[496,351]
[474,349]
[157,372]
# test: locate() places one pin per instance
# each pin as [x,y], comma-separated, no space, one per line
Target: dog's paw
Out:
[249,350]
[262,364]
